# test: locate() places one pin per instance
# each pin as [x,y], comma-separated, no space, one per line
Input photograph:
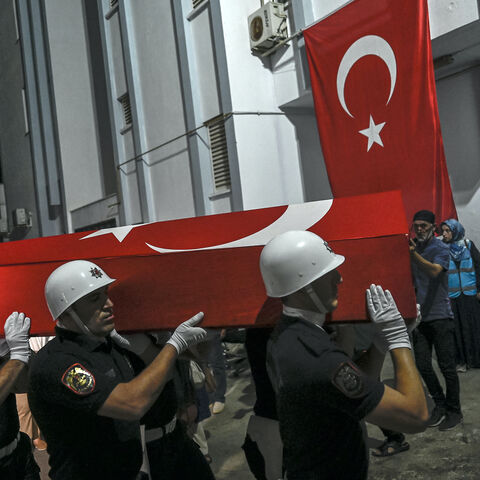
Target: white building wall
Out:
[458,103]
[160,110]
[205,83]
[276,140]
[127,171]
[74,106]
[447,15]
[267,150]
[205,94]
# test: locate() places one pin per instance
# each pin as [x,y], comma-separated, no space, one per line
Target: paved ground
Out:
[433,454]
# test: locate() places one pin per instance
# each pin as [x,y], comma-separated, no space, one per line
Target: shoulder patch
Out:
[348,379]
[78,379]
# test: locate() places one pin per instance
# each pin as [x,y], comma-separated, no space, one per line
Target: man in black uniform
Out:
[83,389]
[262,446]
[321,394]
[16,458]
[172,454]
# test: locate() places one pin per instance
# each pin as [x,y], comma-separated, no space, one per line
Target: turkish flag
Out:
[167,271]
[373,85]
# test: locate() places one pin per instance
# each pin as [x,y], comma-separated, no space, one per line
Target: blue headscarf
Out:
[458,245]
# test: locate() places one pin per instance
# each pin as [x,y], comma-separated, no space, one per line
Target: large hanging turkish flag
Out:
[168,271]
[373,84]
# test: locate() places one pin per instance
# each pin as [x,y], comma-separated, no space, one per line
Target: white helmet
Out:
[293,260]
[71,282]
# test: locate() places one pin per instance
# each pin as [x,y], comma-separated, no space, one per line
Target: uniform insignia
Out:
[96,272]
[78,379]
[348,379]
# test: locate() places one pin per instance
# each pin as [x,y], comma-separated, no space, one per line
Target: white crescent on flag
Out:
[367,45]
[296,217]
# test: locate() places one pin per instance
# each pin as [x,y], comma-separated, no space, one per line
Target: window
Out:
[219,154]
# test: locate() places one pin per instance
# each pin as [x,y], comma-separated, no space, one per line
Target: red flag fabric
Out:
[373,85]
[168,271]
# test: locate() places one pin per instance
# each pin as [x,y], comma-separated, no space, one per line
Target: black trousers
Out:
[254,458]
[20,464]
[438,334]
[176,456]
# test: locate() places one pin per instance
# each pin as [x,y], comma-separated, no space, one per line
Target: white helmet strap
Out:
[83,328]
[314,297]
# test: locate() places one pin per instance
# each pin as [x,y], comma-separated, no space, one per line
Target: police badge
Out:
[78,379]
[348,379]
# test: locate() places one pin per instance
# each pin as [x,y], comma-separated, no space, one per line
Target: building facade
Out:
[117,112]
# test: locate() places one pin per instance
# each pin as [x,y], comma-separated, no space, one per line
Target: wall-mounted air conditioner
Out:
[267,26]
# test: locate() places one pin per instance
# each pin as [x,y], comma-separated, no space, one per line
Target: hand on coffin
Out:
[391,329]
[188,334]
[17,332]
[412,245]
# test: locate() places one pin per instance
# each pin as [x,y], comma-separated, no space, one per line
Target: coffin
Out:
[168,271]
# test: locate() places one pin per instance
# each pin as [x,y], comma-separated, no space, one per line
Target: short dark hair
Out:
[425,215]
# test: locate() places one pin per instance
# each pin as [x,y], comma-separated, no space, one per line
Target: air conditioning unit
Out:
[267,26]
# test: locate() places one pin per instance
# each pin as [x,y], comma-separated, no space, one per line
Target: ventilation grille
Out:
[219,154]
[127,110]
[195,3]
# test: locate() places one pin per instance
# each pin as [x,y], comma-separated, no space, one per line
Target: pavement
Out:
[433,455]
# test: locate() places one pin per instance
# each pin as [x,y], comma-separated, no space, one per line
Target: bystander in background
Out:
[463,290]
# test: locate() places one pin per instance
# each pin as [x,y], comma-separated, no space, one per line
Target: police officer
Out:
[321,393]
[16,458]
[83,389]
[171,453]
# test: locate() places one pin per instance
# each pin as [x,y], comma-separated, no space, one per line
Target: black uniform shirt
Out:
[321,396]
[9,424]
[163,409]
[70,379]
[256,346]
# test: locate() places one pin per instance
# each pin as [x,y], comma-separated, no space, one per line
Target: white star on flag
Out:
[119,232]
[373,133]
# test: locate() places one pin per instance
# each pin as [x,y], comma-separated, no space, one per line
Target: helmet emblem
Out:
[96,272]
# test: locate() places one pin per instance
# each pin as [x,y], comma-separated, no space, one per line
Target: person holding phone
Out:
[430,259]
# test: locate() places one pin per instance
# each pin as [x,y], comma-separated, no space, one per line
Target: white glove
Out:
[391,329]
[134,342]
[187,334]
[17,329]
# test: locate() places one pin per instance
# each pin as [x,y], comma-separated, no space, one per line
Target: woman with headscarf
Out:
[464,293]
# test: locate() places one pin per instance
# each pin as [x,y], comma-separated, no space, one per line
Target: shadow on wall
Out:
[316,185]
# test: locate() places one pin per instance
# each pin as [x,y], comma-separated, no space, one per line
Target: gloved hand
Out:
[17,330]
[391,328]
[134,342]
[187,334]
